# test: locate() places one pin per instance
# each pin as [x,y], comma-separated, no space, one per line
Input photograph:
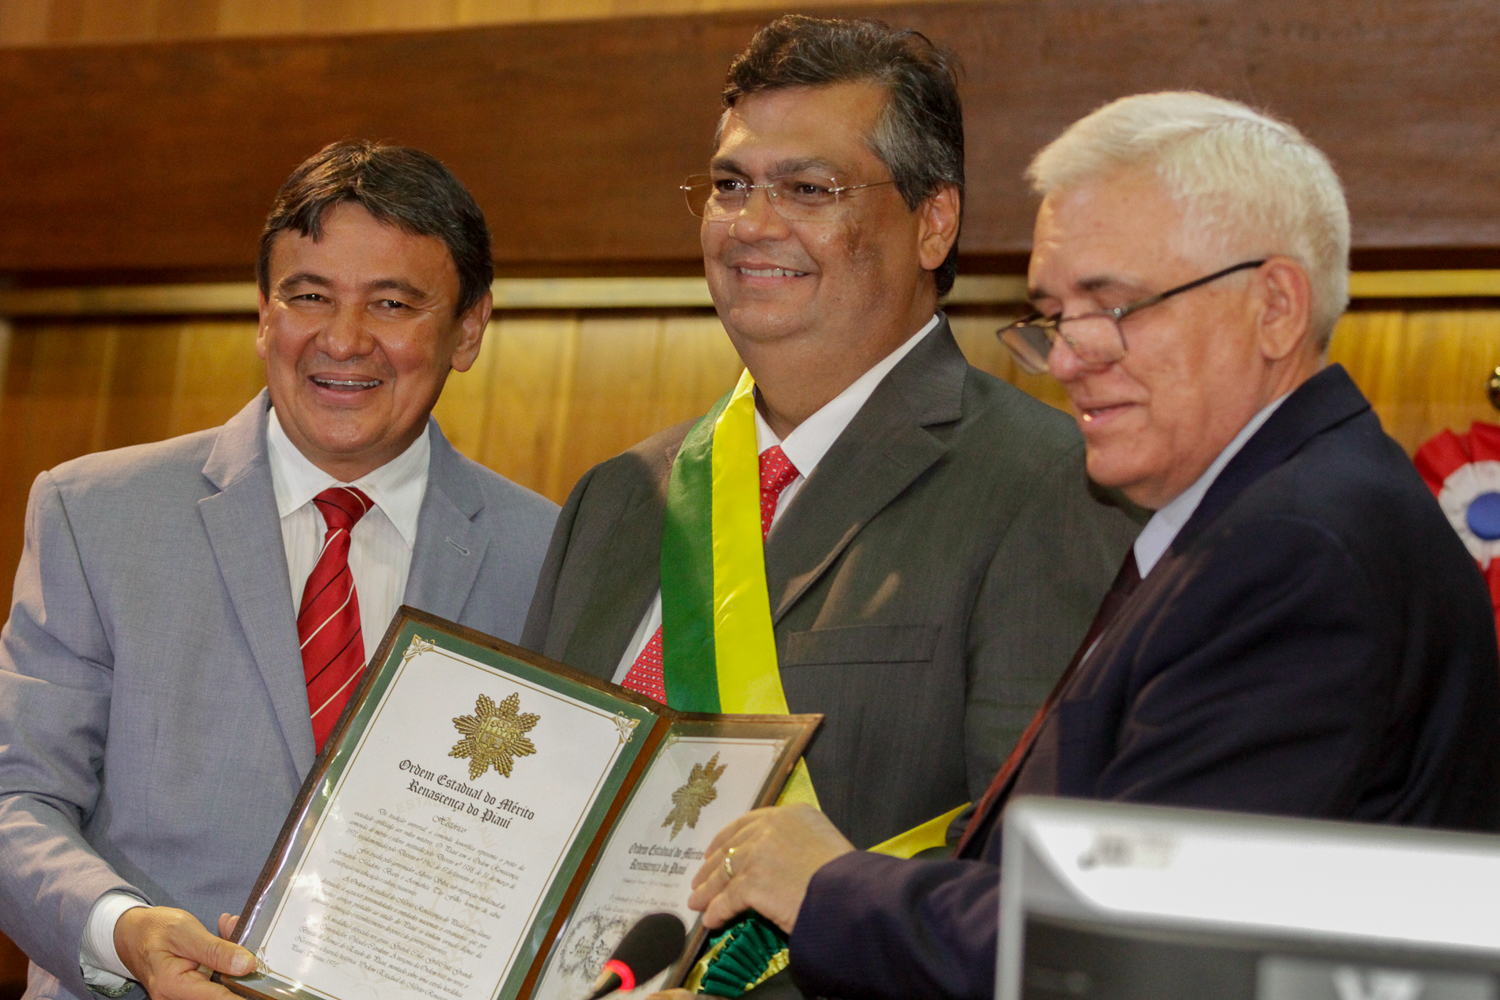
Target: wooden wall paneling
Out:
[553,394]
[1358,79]
[216,374]
[136,402]
[1423,371]
[138,20]
[970,293]
[463,408]
[50,413]
[1446,377]
[574,135]
[526,394]
[618,371]
[1363,345]
[559,394]
[529,122]
[60,376]
[699,364]
[44,22]
[25,22]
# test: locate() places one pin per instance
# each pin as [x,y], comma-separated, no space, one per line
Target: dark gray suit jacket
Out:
[154,727]
[927,584]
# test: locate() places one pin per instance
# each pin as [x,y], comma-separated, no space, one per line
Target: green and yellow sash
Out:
[718,644]
[718,647]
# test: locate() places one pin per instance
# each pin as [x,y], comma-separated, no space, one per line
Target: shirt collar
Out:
[810,440]
[1154,540]
[397,487]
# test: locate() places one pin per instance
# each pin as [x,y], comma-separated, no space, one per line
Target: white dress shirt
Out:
[381,543]
[805,447]
[1156,537]
[380,548]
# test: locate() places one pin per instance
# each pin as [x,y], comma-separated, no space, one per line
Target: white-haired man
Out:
[1297,630]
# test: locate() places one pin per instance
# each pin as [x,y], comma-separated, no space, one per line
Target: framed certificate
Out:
[485,824]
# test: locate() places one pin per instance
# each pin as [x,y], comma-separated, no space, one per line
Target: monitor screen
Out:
[1105,901]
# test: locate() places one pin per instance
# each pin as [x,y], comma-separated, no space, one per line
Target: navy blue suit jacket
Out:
[1316,642]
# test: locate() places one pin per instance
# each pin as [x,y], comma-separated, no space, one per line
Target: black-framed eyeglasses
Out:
[1095,337]
[798,198]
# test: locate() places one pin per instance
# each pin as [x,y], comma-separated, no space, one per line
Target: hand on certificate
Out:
[172,955]
[772,855]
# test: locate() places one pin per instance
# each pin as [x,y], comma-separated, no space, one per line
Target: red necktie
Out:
[1125,583]
[333,652]
[776,474]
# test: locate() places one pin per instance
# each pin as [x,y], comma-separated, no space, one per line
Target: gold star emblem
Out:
[689,800]
[494,735]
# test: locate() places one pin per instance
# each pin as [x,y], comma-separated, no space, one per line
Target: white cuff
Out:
[97,958]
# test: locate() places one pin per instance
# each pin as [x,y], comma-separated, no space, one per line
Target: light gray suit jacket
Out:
[154,725]
[928,584]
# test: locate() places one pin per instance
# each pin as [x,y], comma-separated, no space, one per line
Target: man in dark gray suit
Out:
[937,553]
[162,693]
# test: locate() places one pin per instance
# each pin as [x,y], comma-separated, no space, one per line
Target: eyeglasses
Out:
[800,198]
[1095,337]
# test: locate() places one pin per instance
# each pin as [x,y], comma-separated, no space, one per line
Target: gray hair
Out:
[1248,184]
[919,135]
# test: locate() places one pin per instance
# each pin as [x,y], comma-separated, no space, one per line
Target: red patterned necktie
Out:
[333,651]
[776,474]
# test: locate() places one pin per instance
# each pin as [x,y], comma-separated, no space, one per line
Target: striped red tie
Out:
[776,474]
[333,651]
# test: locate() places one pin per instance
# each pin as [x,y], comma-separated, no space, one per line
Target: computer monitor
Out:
[1105,901]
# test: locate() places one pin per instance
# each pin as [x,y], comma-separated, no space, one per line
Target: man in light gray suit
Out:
[937,553]
[159,705]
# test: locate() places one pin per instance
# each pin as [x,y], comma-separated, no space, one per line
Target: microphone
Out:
[655,942]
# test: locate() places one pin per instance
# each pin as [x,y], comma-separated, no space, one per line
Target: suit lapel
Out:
[449,549]
[629,575]
[1323,401]
[245,532]
[882,451]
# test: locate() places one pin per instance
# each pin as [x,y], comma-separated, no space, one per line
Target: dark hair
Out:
[400,187]
[920,133]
